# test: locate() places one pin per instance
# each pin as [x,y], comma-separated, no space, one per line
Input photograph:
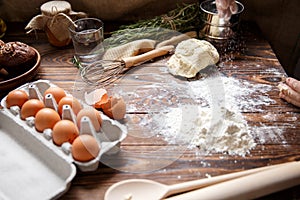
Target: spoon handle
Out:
[249,187]
[196,184]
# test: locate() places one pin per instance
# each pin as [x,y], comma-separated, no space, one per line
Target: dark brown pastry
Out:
[16,57]
[15,53]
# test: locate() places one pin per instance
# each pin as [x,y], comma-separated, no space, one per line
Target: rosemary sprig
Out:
[76,63]
[182,19]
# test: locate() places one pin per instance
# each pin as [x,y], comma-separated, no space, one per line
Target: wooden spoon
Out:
[252,186]
[134,189]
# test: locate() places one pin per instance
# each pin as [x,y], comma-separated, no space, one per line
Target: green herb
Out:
[76,63]
[182,19]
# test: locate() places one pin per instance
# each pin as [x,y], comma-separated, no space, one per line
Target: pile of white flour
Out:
[215,123]
[211,131]
[212,122]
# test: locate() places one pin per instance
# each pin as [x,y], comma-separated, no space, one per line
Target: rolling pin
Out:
[249,187]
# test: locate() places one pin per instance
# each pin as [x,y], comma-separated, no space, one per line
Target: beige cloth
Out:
[130,49]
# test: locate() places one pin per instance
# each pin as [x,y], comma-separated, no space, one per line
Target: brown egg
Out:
[31,107]
[64,131]
[16,98]
[115,108]
[46,118]
[57,92]
[85,148]
[72,101]
[93,115]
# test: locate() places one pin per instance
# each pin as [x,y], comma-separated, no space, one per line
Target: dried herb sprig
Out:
[76,63]
[182,19]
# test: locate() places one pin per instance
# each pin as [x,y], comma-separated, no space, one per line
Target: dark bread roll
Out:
[16,57]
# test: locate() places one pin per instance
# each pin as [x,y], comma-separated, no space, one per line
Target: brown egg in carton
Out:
[107,138]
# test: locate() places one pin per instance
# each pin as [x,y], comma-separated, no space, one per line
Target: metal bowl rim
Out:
[240,5]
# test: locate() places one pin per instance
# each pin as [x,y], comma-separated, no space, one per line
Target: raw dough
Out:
[191,56]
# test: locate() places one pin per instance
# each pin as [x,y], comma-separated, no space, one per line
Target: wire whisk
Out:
[104,72]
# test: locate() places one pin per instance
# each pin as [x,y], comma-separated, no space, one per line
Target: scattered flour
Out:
[213,121]
[232,93]
[219,125]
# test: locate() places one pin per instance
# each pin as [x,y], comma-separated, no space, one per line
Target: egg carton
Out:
[31,158]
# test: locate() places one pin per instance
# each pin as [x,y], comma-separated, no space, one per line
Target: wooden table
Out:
[252,61]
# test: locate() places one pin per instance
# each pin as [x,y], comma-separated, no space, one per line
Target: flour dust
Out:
[205,114]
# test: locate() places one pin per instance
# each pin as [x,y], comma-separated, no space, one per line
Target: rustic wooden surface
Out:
[56,66]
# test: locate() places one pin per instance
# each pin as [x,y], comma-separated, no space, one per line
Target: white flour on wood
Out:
[210,131]
[214,122]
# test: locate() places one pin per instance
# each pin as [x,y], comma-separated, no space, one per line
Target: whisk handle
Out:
[131,61]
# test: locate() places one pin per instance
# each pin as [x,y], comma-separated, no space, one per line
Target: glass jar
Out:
[55,18]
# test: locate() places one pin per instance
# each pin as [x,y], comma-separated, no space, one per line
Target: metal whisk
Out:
[104,72]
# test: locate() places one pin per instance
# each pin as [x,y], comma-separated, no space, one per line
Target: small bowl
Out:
[214,27]
[12,83]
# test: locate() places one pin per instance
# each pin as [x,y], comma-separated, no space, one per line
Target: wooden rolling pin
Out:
[249,187]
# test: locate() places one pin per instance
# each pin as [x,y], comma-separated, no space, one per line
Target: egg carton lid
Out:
[34,163]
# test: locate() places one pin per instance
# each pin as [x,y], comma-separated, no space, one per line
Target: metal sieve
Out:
[214,27]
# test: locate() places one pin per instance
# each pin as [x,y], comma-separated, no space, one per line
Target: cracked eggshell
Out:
[95,97]
[114,107]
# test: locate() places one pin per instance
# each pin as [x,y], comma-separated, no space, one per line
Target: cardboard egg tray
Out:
[31,162]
